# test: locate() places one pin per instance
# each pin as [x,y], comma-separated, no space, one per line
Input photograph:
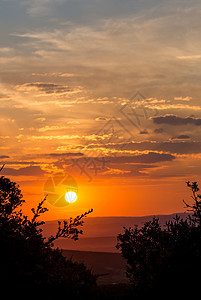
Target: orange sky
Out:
[116,197]
[108,95]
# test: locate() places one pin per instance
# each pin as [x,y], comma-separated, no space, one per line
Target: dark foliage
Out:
[27,259]
[165,260]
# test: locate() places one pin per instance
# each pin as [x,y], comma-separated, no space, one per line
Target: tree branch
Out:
[39,210]
[69,229]
[2,167]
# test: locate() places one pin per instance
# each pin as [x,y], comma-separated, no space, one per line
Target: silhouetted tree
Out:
[27,258]
[165,260]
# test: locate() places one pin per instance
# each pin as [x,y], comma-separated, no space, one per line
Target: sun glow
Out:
[70,197]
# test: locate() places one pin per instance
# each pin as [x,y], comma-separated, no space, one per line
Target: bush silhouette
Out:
[165,259]
[27,258]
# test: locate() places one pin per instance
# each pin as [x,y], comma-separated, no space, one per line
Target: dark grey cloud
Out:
[26,171]
[145,158]
[50,88]
[151,157]
[174,120]
[15,162]
[4,156]
[126,166]
[144,131]
[62,155]
[181,137]
[159,130]
[179,147]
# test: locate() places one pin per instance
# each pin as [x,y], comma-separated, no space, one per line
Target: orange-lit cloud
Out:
[108,93]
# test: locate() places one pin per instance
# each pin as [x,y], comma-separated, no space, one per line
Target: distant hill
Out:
[110,266]
[100,233]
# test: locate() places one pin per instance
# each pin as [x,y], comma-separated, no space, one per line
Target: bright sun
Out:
[70,197]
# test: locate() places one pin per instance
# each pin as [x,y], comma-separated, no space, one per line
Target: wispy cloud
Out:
[41,7]
[109,55]
[70,70]
[187,98]
[46,88]
[189,57]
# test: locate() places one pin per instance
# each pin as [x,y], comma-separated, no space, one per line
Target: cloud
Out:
[90,137]
[122,161]
[111,171]
[159,130]
[20,162]
[135,165]
[5,50]
[73,122]
[46,88]
[26,171]
[50,128]
[4,96]
[102,119]
[143,132]
[187,98]
[175,121]
[4,156]
[189,57]
[178,147]
[93,49]
[151,157]
[129,170]
[41,7]
[54,74]
[106,56]
[55,137]
[62,155]
[181,137]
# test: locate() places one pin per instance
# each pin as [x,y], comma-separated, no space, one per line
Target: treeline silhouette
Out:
[165,261]
[161,261]
[29,265]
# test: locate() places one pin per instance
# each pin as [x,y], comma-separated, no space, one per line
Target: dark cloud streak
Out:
[176,121]
[50,88]
[62,155]
[151,157]
[179,147]
[26,171]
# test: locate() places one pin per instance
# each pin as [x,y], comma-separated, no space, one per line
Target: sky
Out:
[103,94]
